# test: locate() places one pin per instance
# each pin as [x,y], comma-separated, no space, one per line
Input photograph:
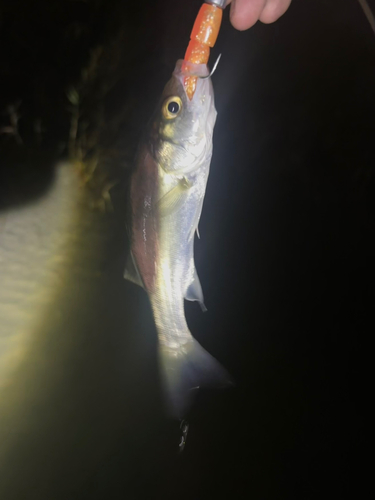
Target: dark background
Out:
[285,256]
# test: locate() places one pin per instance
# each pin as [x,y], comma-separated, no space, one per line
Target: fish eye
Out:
[172,107]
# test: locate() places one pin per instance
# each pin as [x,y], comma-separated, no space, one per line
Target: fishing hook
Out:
[212,71]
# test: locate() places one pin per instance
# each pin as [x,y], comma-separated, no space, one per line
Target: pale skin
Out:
[245,13]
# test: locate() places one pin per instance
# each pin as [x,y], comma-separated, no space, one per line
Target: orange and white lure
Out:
[203,37]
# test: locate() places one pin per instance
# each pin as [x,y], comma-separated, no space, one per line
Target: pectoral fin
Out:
[194,292]
[131,272]
[174,199]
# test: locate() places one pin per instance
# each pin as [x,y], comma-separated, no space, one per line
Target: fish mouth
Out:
[185,69]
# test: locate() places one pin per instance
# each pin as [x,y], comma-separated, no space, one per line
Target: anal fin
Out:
[131,272]
[195,293]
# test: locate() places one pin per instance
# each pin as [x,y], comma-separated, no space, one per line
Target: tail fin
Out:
[185,369]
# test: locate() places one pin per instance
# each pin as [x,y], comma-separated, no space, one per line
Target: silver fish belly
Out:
[167,193]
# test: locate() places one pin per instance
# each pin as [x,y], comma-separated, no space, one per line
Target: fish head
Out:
[183,127]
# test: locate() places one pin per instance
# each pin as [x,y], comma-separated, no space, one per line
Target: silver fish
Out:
[166,196]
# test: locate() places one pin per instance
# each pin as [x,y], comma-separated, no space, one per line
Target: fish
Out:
[167,191]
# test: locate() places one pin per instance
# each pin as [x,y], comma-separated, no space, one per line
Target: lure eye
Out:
[172,107]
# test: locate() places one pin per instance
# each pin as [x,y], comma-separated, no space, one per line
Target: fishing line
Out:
[368,13]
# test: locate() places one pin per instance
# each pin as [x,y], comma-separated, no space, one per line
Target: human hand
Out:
[245,13]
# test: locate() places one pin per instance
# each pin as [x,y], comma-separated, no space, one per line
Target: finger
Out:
[273,10]
[245,13]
